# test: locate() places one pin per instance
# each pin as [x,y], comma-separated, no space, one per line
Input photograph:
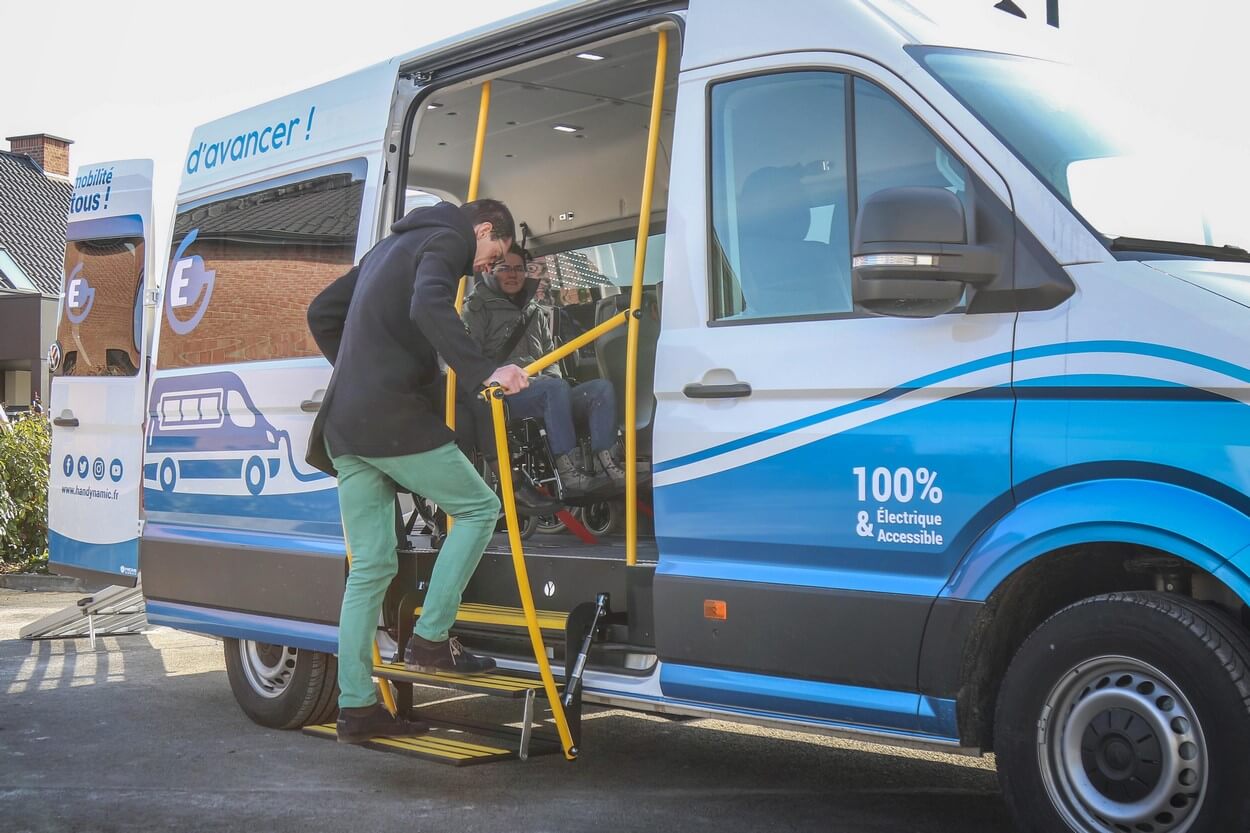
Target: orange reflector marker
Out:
[715,609]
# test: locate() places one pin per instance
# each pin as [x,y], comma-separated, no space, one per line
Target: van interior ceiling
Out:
[565,146]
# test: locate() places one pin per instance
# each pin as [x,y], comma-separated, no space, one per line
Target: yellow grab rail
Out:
[475,178]
[494,395]
[635,302]
[534,367]
[388,697]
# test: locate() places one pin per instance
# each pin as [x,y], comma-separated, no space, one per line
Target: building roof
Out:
[325,210]
[32,220]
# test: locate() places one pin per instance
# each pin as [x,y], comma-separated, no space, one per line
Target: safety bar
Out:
[475,178]
[494,395]
[635,302]
[569,347]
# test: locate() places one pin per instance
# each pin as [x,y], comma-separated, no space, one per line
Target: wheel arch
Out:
[1079,541]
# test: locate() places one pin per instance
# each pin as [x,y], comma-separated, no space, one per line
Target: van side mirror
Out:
[914,255]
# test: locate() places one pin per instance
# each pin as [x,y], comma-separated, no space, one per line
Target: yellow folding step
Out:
[441,745]
[495,683]
[484,614]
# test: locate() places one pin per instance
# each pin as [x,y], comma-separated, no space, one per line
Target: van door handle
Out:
[66,420]
[311,406]
[698,390]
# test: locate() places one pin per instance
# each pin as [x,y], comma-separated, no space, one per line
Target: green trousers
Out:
[367,502]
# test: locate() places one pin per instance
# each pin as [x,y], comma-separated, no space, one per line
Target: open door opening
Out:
[565,149]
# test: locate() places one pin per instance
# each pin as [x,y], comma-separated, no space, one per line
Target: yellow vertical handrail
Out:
[635,302]
[388,697]
[494,395]
[475,178]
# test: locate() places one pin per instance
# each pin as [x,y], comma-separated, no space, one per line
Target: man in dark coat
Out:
[383,326]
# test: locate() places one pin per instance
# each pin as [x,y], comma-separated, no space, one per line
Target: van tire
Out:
[303,693]
[1175,671]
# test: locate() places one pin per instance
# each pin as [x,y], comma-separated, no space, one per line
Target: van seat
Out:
[782,272]
[610,350]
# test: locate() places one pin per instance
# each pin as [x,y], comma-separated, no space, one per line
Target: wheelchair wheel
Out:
[529,525]
[604,517]
[550,525]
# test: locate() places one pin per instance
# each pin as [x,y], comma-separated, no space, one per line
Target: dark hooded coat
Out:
[383,326]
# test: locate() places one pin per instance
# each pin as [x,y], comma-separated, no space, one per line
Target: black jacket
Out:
[383,326]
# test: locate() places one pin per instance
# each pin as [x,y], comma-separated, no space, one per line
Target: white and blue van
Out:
[99,366]
[944,432]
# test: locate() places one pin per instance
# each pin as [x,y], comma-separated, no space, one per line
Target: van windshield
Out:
[1121,172]
[102,314]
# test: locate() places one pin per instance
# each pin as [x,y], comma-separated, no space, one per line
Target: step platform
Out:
[510,617]
[498,683]
[440,745]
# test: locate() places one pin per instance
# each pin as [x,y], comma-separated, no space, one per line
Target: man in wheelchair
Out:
[505,320]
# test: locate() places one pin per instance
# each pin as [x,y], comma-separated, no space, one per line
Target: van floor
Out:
[565,545]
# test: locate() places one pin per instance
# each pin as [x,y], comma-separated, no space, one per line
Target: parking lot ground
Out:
[142,734]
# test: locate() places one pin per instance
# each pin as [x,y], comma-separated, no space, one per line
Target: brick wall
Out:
[259,306]
[113,272]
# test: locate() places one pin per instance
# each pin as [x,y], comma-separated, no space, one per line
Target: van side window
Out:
[98,330]
[780,242]
[894,149]
[248,263]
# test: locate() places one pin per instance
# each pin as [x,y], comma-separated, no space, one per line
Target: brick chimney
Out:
[50,152]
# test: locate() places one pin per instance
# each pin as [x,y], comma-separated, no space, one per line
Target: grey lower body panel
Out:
[832,635]
[290,584]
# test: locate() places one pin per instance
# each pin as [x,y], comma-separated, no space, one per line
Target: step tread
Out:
[485,614]
[496,683]
[437,745]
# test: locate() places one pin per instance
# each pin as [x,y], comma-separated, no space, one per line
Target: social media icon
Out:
[68,465]
[84,466]
[97,468]
[115,470]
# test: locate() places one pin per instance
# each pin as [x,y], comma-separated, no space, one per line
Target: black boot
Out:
[529,501]
[362,724]
[448,656]
[575,482]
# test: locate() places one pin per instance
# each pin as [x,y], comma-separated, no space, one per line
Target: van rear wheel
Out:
[1128,712]
[280,687]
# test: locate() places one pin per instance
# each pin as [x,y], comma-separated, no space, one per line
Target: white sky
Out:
[132,79]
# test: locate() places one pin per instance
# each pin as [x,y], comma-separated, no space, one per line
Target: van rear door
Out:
[99,374]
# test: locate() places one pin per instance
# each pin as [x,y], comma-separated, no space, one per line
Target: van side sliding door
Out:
[239,526]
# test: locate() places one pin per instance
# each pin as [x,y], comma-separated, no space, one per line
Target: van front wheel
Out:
[281,687]
[1128,712]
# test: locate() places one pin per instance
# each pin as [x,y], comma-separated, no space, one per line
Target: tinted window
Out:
[246,265]
[102,315]
[894,149]
[780,221]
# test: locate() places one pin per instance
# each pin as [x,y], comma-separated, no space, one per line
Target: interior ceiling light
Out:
[590,56]
[566,128]
[433,106]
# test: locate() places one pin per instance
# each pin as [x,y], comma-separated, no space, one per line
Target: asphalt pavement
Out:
[142,734]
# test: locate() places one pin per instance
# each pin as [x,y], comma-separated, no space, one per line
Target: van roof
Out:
[518,27]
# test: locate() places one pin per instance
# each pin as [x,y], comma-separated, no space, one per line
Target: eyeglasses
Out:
[533,270]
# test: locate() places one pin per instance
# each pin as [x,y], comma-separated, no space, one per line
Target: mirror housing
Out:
[912,253]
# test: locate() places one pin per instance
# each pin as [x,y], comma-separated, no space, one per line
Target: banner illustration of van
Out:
[207,436]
